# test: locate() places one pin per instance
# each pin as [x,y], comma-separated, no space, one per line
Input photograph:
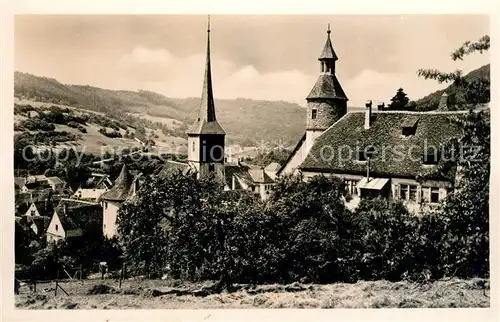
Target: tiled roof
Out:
[336,149]
[201,126]
[259,176]
[55,180]
[121,187]
[78,216]
[327,86]
[171,166]
[272,167]
[328,52]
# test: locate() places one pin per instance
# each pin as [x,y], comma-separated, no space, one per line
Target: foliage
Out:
[276,155]
[399,101]
[465,91]
[112,134]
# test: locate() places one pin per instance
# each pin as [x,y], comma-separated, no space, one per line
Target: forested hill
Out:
[455,93]
[242,119]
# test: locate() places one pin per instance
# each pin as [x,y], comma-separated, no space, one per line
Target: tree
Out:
[399,101]
[476,90]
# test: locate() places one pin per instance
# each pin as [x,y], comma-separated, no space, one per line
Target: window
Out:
[105,205]
[404,191]
[426,194]
[431,157]
[57,227]
[366,153]
[32,212]
[434,195]
[351,187]
[314,114]
[413,193]
[193,146]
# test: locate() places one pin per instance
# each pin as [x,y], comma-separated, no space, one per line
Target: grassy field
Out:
[158,294]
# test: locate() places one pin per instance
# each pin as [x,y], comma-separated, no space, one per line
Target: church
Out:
[376,152]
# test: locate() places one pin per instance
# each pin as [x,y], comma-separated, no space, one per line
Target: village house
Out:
[73,219]
[39,182]
[242,176]
[123,189]
[377,153]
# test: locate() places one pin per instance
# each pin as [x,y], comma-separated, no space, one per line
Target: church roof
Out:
[206,122]
[327,86]
[120,189]
[328,52]
[385,134]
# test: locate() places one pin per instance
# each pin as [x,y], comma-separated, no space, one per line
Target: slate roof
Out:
[259,176]
[78,216]
[206,122]
[347,136]
[171,166]
[121,187]
[55,180]
[327,86]
[45,208]
[328,52]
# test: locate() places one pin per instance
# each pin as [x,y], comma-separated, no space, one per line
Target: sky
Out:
[271,57]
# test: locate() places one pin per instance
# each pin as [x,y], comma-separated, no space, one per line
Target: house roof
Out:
[272,167]
[78,215]
[259,176]
[37,185]
[328,52]
[19,182]
[120,189]
[373,184]
[41,222]
[294,152]
[171,166]
[45,208]
[55,180]
[83,193]
[327,86]
[397,155]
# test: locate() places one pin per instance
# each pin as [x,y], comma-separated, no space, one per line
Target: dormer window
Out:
[409,126]
[314,114]
[366,153]
[431,157]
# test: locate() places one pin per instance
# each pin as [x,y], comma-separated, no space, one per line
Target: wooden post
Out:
[57,282]
[121,274]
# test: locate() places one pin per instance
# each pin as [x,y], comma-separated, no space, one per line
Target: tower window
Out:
[193,146]
[314,114]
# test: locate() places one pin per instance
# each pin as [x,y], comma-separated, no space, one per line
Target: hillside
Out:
[244,120]
[455,94]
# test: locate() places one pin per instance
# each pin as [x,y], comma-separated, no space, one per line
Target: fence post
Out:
[122,274]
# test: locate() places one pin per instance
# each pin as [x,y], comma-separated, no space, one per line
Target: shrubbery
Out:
[304,233]
[111,134]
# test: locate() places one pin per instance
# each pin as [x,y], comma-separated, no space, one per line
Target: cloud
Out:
[372,85]
[159,70]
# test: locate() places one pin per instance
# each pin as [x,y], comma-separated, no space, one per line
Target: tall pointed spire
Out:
[328,52]
[206,121]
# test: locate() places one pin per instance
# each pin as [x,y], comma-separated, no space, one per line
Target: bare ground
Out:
[158,294]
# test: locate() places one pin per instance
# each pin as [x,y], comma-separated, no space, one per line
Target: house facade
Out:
[73,219]
[123,189]
[377,153]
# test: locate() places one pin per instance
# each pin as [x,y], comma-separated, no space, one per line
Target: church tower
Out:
[206,136]
[327,102]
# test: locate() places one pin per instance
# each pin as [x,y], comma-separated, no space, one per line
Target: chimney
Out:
[381,106]
[65,208]
[233,183]
[368,115]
